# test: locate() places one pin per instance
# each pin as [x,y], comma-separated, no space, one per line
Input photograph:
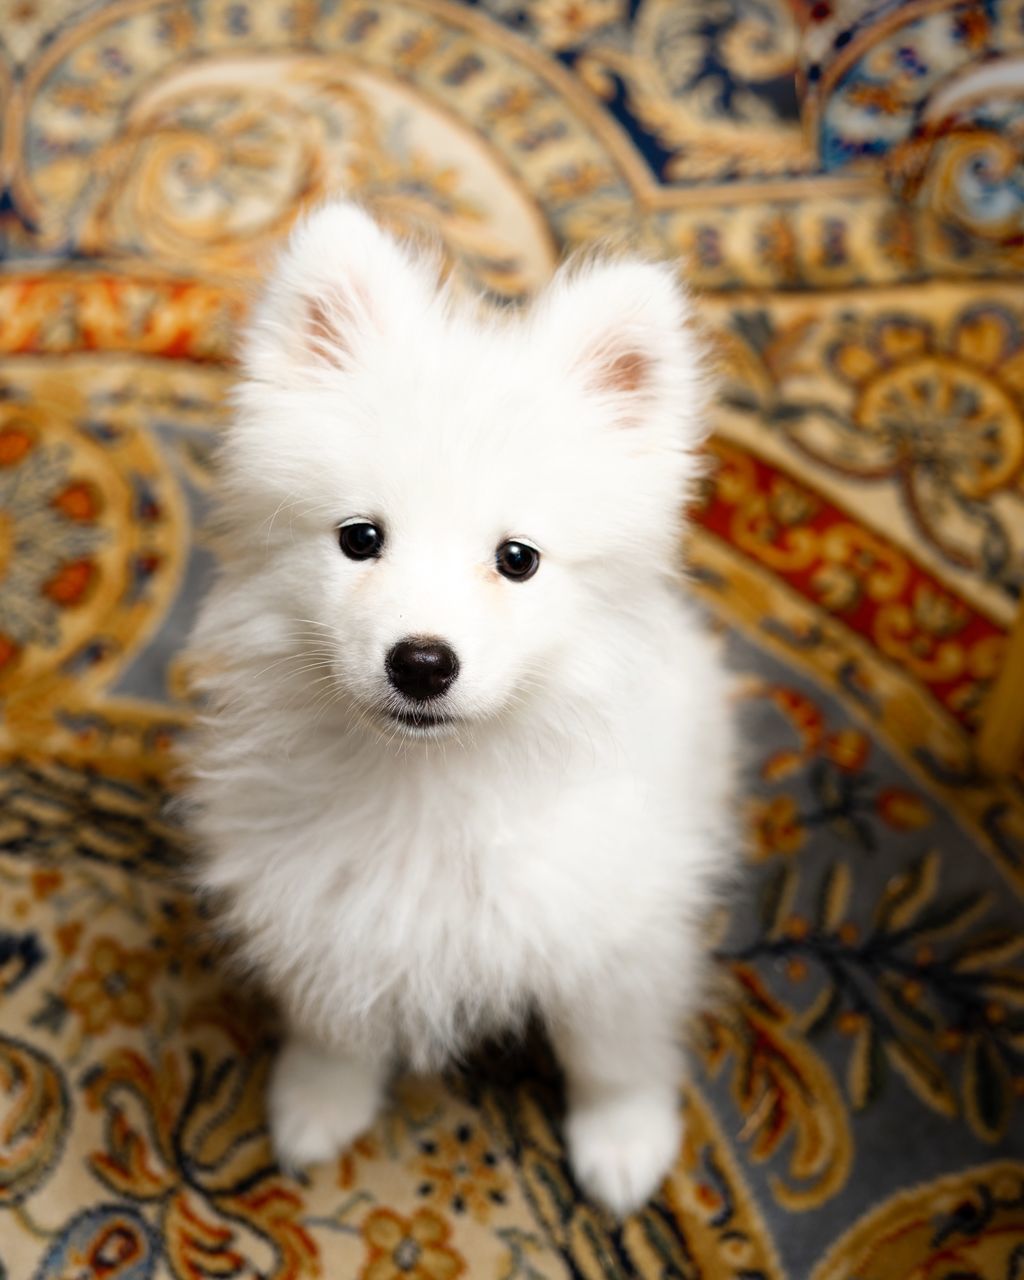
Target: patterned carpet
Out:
[856,1112]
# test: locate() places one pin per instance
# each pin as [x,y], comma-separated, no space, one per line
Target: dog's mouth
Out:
[418,718]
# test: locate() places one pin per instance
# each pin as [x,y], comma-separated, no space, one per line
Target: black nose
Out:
[422,667]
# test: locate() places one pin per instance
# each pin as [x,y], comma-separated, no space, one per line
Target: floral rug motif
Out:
[857,1102]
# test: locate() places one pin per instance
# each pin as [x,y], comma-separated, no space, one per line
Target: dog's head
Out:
[447,508]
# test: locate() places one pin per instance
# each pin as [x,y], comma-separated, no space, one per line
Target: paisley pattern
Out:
[106,1241]
[35,1122]
[843,188]
[971,1224]
[936,91]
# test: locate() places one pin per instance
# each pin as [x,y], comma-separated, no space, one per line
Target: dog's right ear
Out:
[340,282]
[623,328]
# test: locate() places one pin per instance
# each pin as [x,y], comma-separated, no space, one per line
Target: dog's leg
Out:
[320,1101]
[624,1067]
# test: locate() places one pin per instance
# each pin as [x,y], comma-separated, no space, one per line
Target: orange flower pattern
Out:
[415,1247]
[461,1172]
[112,988]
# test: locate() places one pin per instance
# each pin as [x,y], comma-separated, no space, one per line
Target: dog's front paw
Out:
[319,1103]
[623,1145]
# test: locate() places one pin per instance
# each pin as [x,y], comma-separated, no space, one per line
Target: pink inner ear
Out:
[332,325]
[624,374]
[627,372]
[323,336]
[619,371]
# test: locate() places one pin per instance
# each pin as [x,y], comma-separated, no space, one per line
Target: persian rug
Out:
[855,1109]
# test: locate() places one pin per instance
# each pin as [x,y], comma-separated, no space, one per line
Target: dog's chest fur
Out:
[428,912]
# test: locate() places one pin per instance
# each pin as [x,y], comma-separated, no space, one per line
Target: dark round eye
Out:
[361,540]
[517,561]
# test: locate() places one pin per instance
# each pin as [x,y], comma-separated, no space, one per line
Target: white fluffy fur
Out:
[558,848]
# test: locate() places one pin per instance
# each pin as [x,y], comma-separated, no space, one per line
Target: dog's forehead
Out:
[461,377]
[480,405]
[461,439]
[456,467]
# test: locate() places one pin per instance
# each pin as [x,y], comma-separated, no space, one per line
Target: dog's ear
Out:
[340,281]
[624,327]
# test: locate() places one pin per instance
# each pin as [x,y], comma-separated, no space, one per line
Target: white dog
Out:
[467,755]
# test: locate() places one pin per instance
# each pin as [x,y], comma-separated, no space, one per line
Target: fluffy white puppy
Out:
[467,754]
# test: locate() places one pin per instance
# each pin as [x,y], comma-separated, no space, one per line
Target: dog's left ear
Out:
[340,283]
[625,329]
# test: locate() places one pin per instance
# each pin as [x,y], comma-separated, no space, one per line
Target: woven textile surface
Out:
[856,1107]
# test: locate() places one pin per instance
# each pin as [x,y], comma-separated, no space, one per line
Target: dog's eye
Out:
[361,540]
[517,561]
